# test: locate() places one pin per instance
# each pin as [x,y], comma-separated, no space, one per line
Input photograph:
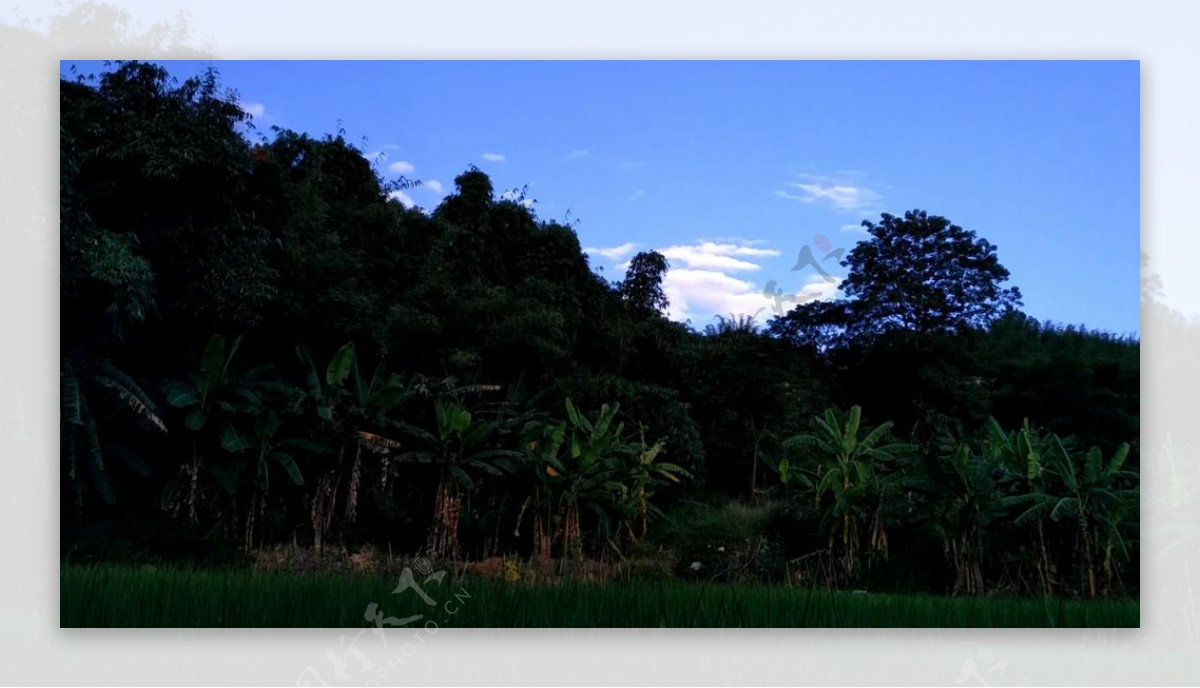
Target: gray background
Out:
[1166,650]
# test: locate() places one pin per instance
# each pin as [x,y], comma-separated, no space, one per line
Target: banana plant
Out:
[354,413]
[644,472]
[213,400]
[1021,456]
[463,448]
[217,391]
[584,465]
[561,471]
[961,500]
[1019,452]
[852,471]
[84,382]
[1108,495]
[269,449]
[1093,494]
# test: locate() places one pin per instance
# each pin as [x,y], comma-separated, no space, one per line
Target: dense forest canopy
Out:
[260,345]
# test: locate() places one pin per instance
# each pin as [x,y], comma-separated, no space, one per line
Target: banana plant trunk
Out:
[1044,564]
[847,537]
[324,502]
[1088,570]
[443,532]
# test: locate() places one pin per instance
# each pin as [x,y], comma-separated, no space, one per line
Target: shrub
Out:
[731,541]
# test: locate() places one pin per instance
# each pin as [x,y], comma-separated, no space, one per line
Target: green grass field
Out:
[125,596]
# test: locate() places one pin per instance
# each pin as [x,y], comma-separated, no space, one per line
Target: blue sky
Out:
[731,168]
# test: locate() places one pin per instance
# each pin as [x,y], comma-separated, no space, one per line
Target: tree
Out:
[814,325]
[343,249]
[743,394]
[642,288]
[155,201]
[925,275]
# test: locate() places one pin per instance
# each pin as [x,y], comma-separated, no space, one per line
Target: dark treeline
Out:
[261,346]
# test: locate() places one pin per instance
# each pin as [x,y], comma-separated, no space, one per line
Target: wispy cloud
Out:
[844,195]
[434,186]
[630,164]
[379,153]
[404,199]
[636,195]
[741,242]
[255,110]
[493,157]
[576,154]
[856,228]
[613,252]
[402,167]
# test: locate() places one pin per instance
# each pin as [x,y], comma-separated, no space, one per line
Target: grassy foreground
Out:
[127,596]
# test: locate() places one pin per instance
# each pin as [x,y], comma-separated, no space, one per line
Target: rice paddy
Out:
[130,596]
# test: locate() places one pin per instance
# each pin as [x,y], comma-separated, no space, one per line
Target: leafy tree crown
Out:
[923,273]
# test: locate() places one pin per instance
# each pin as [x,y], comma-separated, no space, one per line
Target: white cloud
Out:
[401,167]
[854,228]
[404,198]
[631,164]
[255,110]
[709,293]
[739,248]
[698,284]
[576,154]
[693,293]
[688,256]
[816,288]
[614,252]
[434,186]
[493,157]
[636,195]
[710,255]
